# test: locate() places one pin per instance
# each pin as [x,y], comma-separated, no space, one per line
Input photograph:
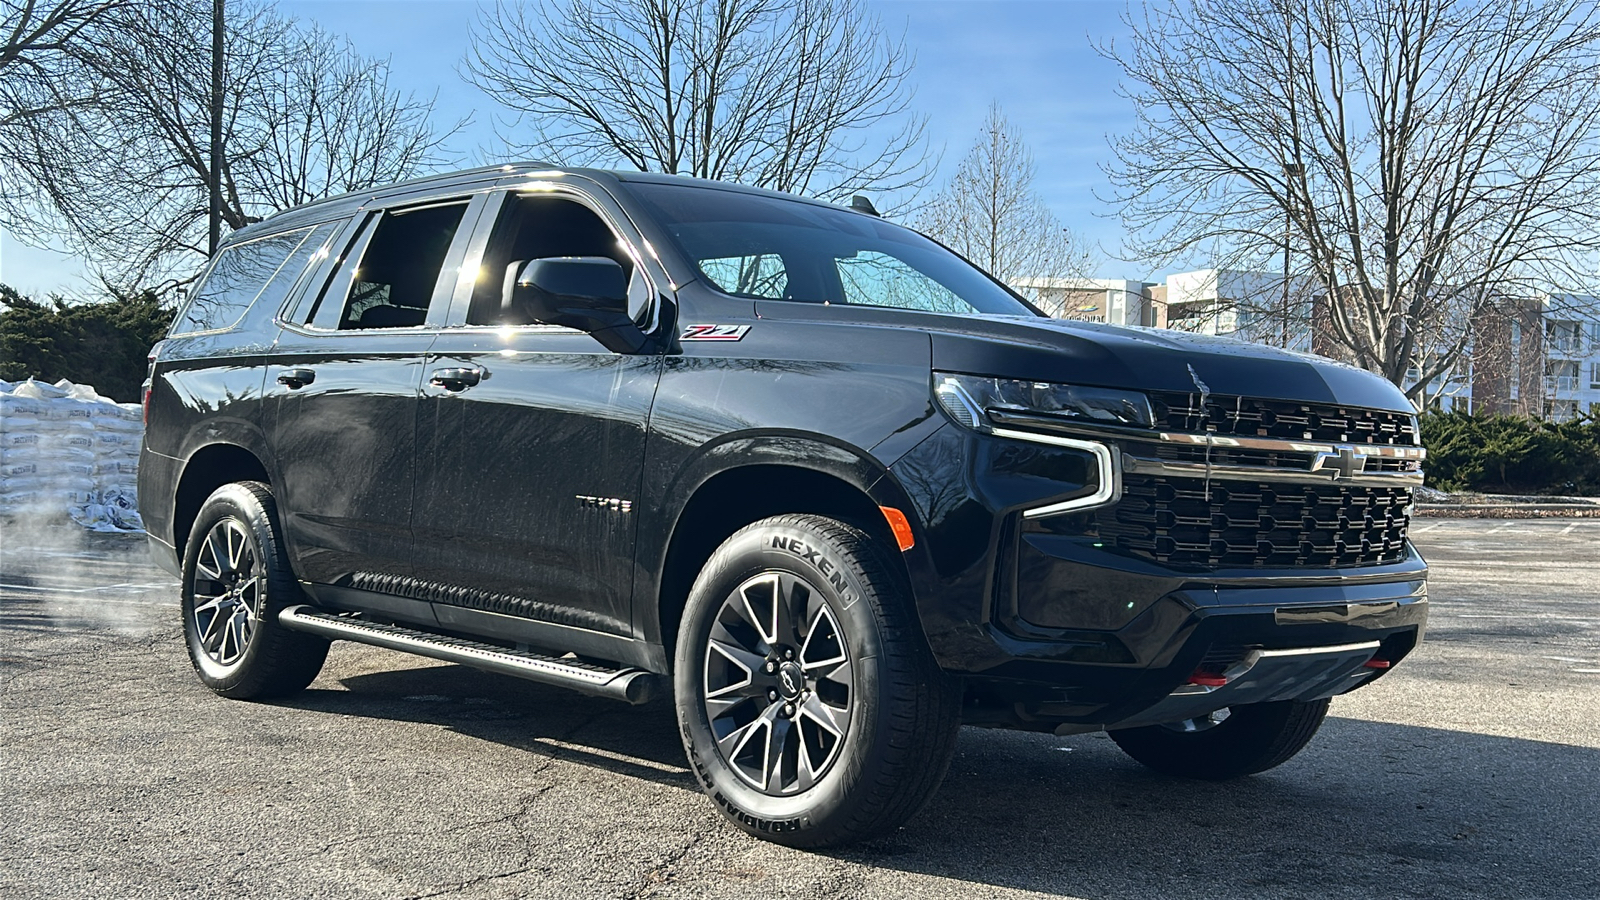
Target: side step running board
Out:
[633,685]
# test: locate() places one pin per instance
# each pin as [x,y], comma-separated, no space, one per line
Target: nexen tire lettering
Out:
[813,555]
[760,824]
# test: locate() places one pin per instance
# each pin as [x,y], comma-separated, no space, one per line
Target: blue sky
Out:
[1034,57]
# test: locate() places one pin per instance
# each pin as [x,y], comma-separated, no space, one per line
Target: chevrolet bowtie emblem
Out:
[1344,461]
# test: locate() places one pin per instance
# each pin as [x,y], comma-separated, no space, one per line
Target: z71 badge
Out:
[714,332]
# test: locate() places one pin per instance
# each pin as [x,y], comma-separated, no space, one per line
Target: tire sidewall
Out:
[770,547]
[230,501]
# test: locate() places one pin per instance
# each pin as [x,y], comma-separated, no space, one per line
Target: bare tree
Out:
[305,115]
[991,213]
[42,52]
[805,96]
[1420,159]
[45,80]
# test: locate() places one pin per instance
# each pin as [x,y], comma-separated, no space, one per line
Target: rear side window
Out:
[393,284]
[240,274]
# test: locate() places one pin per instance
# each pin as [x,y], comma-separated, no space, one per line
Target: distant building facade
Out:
[1536,357]
[1109,300]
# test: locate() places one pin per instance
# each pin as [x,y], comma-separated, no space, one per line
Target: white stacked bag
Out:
[67,453]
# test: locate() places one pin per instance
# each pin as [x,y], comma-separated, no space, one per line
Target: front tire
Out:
[811,708]
[1251,739]
[236,579]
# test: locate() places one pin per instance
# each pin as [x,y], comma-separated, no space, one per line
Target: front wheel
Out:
[1229,743]
[811,708]
[236,579]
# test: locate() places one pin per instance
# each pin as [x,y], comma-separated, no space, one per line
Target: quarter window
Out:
[240,274]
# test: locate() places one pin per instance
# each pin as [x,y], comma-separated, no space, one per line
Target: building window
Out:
[1594,376]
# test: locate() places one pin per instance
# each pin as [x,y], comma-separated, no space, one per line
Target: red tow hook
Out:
[1206,679]
[1376,663]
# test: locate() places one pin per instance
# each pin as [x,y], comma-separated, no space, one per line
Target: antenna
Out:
[860,203]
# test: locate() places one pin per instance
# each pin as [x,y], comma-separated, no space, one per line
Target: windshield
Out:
[769,248]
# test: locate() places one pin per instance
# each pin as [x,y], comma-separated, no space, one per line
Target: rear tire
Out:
[811,708]
[1251,739]
[236,579]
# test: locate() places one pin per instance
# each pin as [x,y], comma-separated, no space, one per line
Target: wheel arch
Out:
[830,484]
[207,469]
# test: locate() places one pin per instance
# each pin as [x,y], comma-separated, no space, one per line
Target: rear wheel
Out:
[810,706]
[236,580]
[1240,740]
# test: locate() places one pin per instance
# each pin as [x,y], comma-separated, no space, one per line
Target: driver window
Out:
[539,226]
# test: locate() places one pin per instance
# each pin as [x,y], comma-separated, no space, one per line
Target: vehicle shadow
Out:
[1370,809]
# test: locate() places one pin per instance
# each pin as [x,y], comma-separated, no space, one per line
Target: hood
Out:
[1153,359]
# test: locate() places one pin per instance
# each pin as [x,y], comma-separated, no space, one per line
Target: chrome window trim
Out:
[1110,475]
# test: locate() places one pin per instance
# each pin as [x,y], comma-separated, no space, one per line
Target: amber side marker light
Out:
[901,526]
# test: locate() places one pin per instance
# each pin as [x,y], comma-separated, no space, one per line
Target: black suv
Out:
[831,488]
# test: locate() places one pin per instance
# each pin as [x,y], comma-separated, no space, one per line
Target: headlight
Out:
[968,399]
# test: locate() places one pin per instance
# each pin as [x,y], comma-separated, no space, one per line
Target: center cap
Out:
[791,680]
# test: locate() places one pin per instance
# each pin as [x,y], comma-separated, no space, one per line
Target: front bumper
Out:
[1052,627]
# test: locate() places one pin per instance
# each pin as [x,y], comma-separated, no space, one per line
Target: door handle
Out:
[297,377]
[457,379]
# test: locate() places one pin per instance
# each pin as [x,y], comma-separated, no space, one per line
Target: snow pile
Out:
[68,453]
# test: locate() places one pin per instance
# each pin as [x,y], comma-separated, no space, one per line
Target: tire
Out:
[1250,739]
[862,719]
[236,579]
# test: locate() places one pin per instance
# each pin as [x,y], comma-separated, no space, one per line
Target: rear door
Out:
[343,389]
[525,501]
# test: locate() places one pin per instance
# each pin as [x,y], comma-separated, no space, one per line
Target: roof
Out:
[345,204]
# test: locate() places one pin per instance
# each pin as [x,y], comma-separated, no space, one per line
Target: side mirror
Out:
[589,293]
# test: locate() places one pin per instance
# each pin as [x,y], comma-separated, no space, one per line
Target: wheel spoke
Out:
[823,649]
[734,743]
[832,718]
[208,547]
[751,663]
[211,632]
[789,591]
[234,549]
[203,605]
[777,755]
[760,600]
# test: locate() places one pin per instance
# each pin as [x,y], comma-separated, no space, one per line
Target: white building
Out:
[1252,306]
[1110,300]
[1571,380]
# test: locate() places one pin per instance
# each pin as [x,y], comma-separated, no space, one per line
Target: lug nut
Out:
[772,693]
[788,654]
[771,667]
[788,709]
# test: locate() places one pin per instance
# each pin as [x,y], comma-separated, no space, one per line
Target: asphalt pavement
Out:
[1471,771]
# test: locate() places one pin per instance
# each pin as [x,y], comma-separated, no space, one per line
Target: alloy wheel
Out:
[779,687]
[228,591]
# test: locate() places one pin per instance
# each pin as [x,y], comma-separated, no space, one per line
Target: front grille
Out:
[1249,417]
[1249,524]
[1271,459]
